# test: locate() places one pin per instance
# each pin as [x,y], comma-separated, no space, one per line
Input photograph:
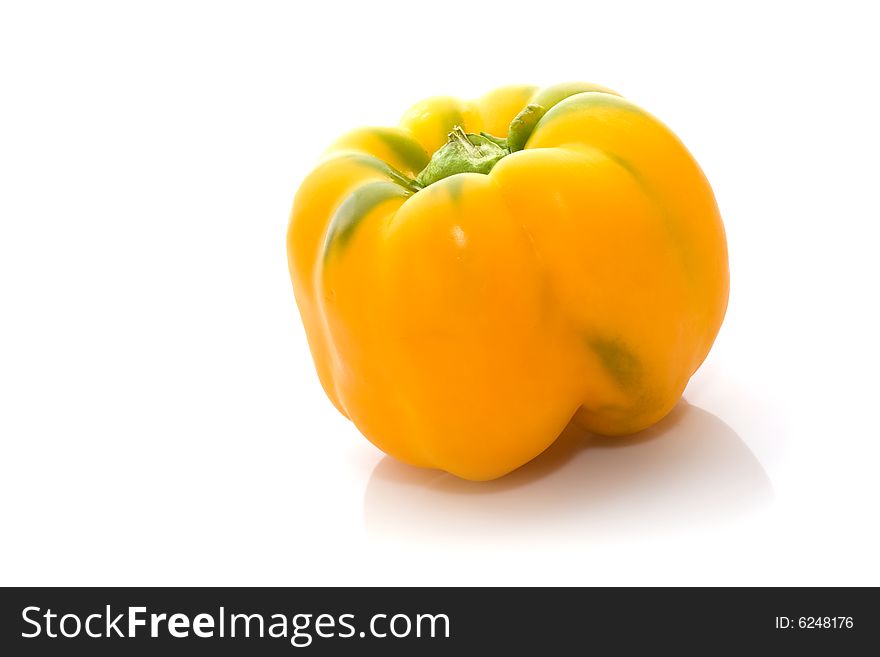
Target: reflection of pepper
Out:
[560,255]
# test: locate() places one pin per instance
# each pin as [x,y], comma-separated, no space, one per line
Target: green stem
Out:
[495,140]
[462,153]
[460,137]
[469,153]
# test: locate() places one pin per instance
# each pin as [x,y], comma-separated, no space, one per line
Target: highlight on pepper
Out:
[488,271]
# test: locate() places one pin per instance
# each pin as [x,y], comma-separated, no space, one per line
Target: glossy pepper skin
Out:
[464,324]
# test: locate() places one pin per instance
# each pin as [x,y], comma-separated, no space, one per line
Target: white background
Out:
[160,418]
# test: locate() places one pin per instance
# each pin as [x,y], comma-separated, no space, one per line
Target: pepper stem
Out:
[462,153]
[468,153]
[461,137]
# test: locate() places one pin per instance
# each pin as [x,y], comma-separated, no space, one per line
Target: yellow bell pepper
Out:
[486,272]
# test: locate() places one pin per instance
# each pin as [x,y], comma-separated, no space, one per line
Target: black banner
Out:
[429,621]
